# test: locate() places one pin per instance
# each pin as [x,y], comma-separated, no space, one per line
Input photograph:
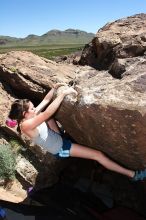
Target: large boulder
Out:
[110,114]
[29,75]
[123,38]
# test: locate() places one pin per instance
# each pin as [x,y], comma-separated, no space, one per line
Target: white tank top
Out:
[48,139]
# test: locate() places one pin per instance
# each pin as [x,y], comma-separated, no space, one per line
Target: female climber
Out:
[32,122]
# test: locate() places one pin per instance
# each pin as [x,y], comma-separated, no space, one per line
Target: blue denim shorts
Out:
[65,149]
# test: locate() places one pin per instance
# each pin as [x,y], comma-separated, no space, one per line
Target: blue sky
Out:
[19,18]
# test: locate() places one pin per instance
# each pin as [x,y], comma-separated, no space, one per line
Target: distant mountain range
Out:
[69,36]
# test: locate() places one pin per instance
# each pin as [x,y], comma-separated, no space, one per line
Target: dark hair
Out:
[18,107]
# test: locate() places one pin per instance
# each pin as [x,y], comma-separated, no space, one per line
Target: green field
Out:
[47,51]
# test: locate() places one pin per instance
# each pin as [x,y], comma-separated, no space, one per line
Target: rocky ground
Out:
[15,193]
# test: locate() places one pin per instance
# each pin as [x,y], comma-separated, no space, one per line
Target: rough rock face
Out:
[124,38]
[110,115]
[30,75]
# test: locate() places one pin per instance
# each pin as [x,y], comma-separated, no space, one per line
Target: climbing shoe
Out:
[139,175]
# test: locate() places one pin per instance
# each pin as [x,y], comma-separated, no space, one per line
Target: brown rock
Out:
[123,38]
[30,75]
[109,115]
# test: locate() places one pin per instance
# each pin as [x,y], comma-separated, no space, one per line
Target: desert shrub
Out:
[7,162]
[15,145]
